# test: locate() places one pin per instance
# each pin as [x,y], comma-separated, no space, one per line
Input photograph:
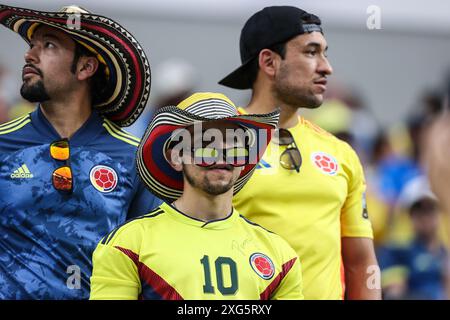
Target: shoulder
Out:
[323,138]
[254,226]
[316,132]
[131,231]
[14,133]
[14,126]
[263,233]
[119,135]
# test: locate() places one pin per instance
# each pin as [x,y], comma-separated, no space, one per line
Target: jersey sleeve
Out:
[143,202]
[290,278]
[115,266]
[354,216]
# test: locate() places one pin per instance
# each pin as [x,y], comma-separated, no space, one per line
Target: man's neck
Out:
[67,116]
[202,206]
[263,101]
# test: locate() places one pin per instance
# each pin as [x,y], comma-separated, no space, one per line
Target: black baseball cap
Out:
[268,27]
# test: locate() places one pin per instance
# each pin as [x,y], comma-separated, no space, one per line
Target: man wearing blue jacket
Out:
[67,169]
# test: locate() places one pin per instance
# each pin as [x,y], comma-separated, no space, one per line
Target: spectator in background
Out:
[430,106]
[393,170]
[397,156]
[437,156]
[417,270]
[364,125]
[317,187]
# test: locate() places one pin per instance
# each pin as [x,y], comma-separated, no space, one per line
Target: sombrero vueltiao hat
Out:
[127,67]
[152,165]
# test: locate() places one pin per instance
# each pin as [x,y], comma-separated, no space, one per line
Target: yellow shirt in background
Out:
[312,209]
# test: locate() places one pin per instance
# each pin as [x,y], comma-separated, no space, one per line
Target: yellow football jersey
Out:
[168,255]
[312,209]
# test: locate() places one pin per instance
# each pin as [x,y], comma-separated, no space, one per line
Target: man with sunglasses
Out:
[195,245]
[67,169]
[309,187]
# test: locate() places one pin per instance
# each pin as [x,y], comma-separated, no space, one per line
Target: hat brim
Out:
[155,170]
[129,77]
[239,78]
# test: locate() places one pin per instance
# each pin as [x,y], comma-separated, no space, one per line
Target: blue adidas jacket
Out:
[47,237]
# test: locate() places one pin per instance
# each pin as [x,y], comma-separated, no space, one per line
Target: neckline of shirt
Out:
[84,134]
[217,224]
[301,120]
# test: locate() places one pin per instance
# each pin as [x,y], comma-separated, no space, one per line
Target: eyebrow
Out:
[316,45]
[48,35]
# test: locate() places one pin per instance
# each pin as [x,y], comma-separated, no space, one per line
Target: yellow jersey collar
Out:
[301,120]
[218,224]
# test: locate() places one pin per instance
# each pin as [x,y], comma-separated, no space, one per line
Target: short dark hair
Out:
[99,83]
[279,48]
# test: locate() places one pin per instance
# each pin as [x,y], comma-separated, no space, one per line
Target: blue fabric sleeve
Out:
[143,202]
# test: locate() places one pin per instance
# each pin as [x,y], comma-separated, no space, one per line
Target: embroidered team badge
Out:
[262,265]
[326,163]
[103,178]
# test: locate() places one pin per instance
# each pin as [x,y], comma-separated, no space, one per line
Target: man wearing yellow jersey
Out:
[309,187]
[195,245]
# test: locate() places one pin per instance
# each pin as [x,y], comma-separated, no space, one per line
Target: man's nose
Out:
[324,67]
[31,55]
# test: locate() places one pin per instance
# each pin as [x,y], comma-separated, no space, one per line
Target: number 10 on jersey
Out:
[223,266]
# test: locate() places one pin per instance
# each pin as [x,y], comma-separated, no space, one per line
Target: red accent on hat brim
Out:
[147,151]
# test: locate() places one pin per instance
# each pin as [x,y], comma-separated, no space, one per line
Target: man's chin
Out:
[34,93]
[314,102]
[218,188]
[35,100]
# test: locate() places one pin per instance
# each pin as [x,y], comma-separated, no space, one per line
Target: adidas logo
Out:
[22,173]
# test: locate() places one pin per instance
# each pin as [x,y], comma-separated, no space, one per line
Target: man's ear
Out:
[86,67]
[175,160]
[268,62]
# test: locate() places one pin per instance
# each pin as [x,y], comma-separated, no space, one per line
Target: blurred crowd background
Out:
[387,87]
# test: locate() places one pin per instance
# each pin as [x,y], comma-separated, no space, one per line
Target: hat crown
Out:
[73,9]
[209,105]
[273,25]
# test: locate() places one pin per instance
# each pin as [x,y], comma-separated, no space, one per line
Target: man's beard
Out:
[206,185]
[35,92]
[293,96]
